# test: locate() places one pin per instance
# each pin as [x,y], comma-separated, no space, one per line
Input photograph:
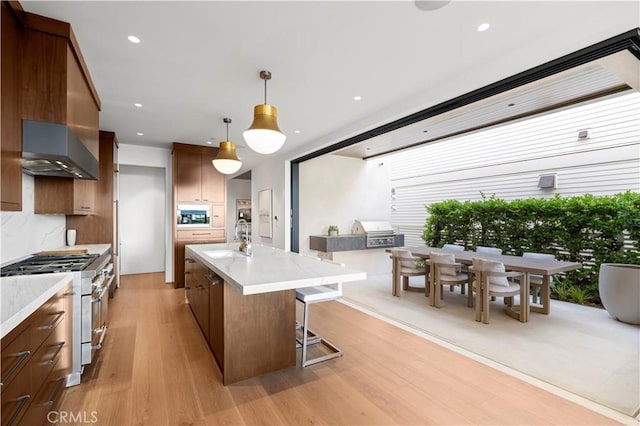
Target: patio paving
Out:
[577,348]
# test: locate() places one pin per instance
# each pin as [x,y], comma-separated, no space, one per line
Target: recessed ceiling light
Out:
[425,131]
[357,98]
[296,131]
[511,105]
[137,105]
[483,27]
[140,134]
[209,142]
[133,39]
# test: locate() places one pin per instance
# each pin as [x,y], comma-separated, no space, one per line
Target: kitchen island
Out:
[246,305]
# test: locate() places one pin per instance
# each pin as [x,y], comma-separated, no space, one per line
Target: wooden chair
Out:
[492,280]
[404,266]
[445,271]
[309,296]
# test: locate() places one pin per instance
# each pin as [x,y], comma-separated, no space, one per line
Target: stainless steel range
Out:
[92,276]
[379,233]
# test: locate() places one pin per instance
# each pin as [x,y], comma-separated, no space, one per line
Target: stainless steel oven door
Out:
[99,307]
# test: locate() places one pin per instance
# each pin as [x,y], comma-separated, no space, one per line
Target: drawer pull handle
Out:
[213,280]
[23,401]
[189,260]
[56,392]
[71,293]
[22,356]
[59,345]
[200,233]
[55,322]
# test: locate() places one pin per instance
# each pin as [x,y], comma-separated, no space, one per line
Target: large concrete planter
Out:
[619,287]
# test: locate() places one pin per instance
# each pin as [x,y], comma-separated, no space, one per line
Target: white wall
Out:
[135,155]
[272,174]
[336,190]
[507,161]
[24,233]
[236,189]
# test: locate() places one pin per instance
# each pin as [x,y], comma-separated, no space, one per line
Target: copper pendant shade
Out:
[264,135]
[227,161]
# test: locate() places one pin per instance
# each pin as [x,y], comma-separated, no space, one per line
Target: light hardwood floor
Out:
[156,369]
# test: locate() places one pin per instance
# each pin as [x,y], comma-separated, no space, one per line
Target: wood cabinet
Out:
[198,293]
[54,195]
[10,109]
[36,359]
[56,85]
[248,335]
[197,181]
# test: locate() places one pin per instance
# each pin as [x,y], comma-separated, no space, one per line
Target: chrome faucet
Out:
[245,241]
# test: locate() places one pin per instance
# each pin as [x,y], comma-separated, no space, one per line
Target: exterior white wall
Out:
[135,155]
[236,189]
[25,233]
[336,190]
[507,161]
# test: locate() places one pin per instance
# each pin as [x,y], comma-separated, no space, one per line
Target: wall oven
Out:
[193,215]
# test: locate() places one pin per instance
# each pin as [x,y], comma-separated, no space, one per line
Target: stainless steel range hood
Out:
[52,149]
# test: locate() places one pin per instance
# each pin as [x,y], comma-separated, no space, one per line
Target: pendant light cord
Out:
[265,91]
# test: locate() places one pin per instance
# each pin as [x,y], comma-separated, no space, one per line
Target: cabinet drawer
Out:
[15,356]
[16,398]
[46,319]
[47,357]
[48,398]
[201,234]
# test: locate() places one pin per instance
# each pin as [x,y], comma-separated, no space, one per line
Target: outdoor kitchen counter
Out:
[269,269]
[23,295]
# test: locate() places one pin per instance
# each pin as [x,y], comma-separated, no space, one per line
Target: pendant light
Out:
[264,135]
[227,162]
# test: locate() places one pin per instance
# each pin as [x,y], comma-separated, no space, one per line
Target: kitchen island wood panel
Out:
[257,314]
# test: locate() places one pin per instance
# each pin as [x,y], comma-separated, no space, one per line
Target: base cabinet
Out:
[248,335]
[36,360]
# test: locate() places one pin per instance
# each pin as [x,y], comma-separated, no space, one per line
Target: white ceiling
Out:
[199,61]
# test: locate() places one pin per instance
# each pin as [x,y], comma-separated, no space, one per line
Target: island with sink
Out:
[245,305]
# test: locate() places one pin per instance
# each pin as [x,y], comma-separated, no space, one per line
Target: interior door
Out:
[142,219]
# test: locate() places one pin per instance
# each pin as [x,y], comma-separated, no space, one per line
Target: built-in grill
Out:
[379,233]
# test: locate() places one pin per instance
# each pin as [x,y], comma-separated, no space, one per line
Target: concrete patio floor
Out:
[577,349]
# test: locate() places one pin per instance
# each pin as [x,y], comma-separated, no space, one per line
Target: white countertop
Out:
[21,295]
[270,268]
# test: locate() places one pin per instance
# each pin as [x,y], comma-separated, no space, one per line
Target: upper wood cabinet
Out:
[196,180]
[10,110]
[56,85]
[54,195]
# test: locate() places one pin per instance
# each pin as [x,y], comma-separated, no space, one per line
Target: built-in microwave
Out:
[193,215]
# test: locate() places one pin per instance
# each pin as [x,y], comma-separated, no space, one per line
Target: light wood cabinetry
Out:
[36,359]
[54,195]
[196,181]
[10,109]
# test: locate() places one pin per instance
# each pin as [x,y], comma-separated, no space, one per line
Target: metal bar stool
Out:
[309,296]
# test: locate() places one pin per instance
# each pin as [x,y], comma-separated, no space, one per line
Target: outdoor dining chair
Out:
[406,267]
[491,279]
[492,251]
[445,271]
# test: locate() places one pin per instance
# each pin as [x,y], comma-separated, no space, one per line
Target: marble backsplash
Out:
[24,233]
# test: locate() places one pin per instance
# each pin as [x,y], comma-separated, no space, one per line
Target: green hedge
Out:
[587,229]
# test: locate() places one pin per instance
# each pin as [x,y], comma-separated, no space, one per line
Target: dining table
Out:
[544,267]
